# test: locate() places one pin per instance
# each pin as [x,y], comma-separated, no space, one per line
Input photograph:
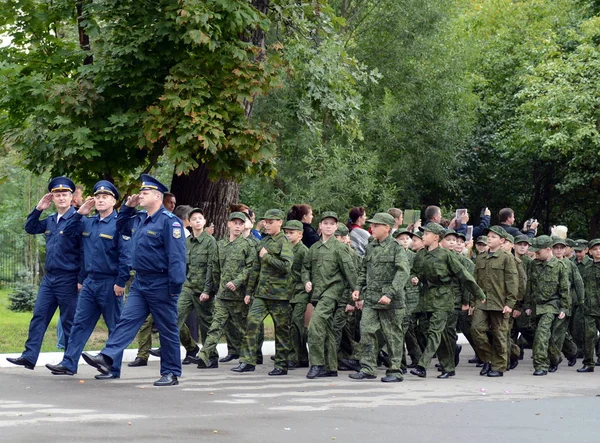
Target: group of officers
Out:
[408,296]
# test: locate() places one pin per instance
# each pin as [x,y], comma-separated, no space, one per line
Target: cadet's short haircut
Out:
[431,212]
[182,211]
[505,214]
[395,212]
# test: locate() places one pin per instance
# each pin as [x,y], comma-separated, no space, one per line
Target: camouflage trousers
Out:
[592,326]
[298,332]
[234,334]
[545,351]
[321,339]
[513,350]
[563,338]
[188,301]
[227,312]
[577,327]
[280,312]
[436,322]
[145,339]
[350,346]
[413,348]
[388,322]
[463,324]
[447,349]
[496,351]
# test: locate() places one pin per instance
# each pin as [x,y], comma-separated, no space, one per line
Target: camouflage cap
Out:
[237,216]
[522,239]
[541,242]
[294,225]
[580,244]
[571,243]
[434,228]
[418,234]
[273,214]
[482,239]
[593,242]
[342,230]
[461,235]
[498,230]
[383,218]
[329,214]
[450,232]
[398,232]
[510,238]
[558,241]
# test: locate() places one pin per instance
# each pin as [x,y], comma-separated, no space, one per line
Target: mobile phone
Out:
[469,233]
[460,213]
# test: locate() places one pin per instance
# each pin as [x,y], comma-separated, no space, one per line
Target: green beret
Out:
[293,225]
[398,232]
[273,214]
[434,228]
[523,239]
[329,214]
[383,218]
[237,216]
[342,230]
[499,230]
[541,242]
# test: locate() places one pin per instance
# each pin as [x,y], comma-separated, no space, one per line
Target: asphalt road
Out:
[219,405]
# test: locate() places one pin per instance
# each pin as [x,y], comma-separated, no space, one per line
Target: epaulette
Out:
[168,214]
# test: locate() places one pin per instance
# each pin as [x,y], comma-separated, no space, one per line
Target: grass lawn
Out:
[14,327]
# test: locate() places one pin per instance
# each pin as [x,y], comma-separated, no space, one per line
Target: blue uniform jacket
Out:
[63,253]
[158,244]
[105,251]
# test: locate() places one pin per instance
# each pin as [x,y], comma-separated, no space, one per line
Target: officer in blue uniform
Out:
[63,261]
[106,266]
[158,257]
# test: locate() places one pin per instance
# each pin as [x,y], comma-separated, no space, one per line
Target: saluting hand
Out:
[133,201]
[87,206]
[119,291]
[45,202]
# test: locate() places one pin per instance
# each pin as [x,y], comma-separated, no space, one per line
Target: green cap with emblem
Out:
[294,225]
[398,232]
[237,216]
[571,243]
[482,239]
[593,242]
[273,214]
[498,230]
[342,230]
[434,228]
[541,242]
[558,241]
[522,239]
[418,234]
[383,218]
[329,214]
[580,244]
[450,231]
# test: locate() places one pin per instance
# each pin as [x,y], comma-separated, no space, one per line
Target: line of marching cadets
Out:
[408,296]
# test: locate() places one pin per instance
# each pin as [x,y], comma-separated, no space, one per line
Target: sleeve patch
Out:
[176,233]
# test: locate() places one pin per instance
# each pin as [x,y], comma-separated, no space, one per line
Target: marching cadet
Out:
[106,258]
[591,305]
[435,268]
[231,265]
[548,297]
[294,230]
[197,294]
[326,271]
[577,327]
[269,293]
[158,259]
[62,280]
[381,281]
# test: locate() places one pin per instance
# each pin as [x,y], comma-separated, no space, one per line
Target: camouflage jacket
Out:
[271,272]
[232,261]
[591,280]
[199,263]
[548,287]
[384,271]
[298,293]
[575,283]
[411,292]
[497,275]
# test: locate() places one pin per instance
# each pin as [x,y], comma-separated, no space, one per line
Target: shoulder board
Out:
[168,214]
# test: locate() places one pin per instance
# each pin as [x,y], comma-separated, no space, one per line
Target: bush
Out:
[22,299]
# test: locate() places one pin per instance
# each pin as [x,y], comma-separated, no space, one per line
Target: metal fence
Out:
[19,258]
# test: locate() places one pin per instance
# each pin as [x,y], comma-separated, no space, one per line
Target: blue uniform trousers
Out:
[96,297]
[58,290]
[149,294]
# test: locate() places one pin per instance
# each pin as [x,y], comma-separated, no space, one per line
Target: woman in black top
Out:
[304,214]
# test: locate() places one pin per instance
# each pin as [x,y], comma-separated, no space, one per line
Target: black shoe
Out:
[552,368]
[229,357]
[572,361]
[155,352]
[106,376]
[137,362]
[457,351]
[438,365]
[513,364]
[167,380]
[100,362]
[521,353]
[540,372]
[211,364]
[475,360]
[391,379]
[244,367]
[412,365]
[259,360]
[362,376]
[278,371]
[327,374]
[419,372]
[343,367]
[191,357]
[447,374]
[495,374]
[272,357]
[59,370]
[487,367]
[20,361]
[351,363]
[314,371]
[404,371]
[586,369]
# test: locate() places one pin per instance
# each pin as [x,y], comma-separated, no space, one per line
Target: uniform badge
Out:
[176,225]
[177,233]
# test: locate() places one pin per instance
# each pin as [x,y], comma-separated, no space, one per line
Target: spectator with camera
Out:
[506,218]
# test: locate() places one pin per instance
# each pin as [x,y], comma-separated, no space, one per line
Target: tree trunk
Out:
[214,198]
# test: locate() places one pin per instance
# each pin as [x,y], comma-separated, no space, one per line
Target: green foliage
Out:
[22,298]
